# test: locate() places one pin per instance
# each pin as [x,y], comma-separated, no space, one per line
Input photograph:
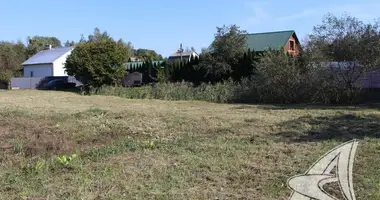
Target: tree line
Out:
[13,54]
[332,60]
[329,69]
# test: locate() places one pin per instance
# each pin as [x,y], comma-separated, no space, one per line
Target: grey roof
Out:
[47,56]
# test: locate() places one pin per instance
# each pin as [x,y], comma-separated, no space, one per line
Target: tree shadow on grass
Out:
[318,107]
[306,107]
[76,90]
[343,127]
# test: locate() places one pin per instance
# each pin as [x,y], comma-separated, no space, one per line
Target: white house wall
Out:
[40,70]
[59,65]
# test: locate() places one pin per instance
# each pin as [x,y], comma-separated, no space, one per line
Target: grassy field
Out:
[151,149]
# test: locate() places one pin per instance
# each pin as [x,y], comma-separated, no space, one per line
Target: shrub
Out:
[223,92]
[281,78]
[97,62]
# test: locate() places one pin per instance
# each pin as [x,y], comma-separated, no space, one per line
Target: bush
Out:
[224,92]
[326,87]
[98,62]
[282,78]
[278,78]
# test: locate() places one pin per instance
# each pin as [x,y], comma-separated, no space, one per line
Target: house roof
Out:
[47,56]
[177,54]
[263,41]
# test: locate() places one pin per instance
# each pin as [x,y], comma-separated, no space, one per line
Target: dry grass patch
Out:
[151,149]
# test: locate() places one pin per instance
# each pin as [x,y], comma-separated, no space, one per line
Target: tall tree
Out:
[128,46]
[97,36]
[69,44]
[147,54]
[98,61]
[38,43]
[82,39]
[348,47]
[191,49]
[11,57]
[227,49]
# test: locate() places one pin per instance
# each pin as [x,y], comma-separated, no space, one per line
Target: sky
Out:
[163,25]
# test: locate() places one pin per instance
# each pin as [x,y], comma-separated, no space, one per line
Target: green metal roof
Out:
[264,41]
[140,63]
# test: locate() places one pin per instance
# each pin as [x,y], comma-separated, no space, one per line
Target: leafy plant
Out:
[65,160]
[33,168]
[150,145]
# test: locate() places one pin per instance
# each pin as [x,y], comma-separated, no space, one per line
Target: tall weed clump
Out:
[222,92]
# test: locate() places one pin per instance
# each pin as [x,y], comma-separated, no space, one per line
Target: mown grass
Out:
[198,150]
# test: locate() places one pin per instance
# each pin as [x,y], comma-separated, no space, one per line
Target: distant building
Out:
[48,62]
[134,59]
[182,55]
[261,42]
[132,79]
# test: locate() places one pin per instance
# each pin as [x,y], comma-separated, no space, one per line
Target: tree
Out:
[69,44]
[20,49]
[98,36]
[230,43]
[282,78]
[227,49]
[246,66]
[97,62]
[82,39]
[191,49]
[128,46]
[38,43]
[147,55]
[11,57]
[348,48]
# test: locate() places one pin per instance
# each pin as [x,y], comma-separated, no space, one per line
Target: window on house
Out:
[292,45]
[31,74]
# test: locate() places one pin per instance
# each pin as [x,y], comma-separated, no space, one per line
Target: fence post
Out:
[30,83]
